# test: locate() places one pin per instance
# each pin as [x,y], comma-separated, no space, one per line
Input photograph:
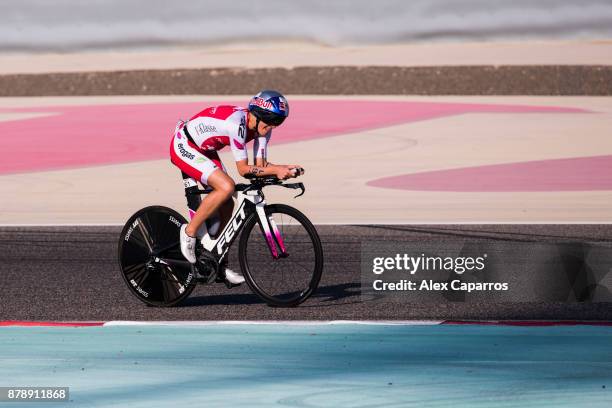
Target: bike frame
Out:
[250,199]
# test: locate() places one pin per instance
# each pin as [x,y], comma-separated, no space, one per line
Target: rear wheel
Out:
[150,257]
[291,278]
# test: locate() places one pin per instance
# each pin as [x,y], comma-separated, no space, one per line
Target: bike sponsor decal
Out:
[184,152]
[230,231]
[174,221]
[187,281]
[131,229]
[139,289]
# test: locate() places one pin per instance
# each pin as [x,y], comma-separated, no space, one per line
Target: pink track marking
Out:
[573,174]
[79,136]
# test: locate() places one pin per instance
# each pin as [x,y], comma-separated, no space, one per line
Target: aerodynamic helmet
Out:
[270,107]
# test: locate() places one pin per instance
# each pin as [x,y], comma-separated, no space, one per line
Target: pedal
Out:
[200,278]
[206,268]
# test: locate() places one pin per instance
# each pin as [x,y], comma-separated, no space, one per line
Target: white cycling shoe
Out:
[188,245]
[232,277]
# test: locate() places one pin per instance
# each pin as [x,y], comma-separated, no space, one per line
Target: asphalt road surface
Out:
[72,274]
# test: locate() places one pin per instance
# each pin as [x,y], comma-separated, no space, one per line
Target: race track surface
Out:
[71,273]
[368,160]
[314,365]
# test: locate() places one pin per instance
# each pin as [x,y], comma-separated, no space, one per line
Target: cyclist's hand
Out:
[283,173]
[296,169]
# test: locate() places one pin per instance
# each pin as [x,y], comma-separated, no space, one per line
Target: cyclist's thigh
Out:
[214,156]
[219,180]
[191,161]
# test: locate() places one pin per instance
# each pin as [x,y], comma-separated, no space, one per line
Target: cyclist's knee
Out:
[226,187]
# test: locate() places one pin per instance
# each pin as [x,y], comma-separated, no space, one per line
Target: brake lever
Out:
[296,186]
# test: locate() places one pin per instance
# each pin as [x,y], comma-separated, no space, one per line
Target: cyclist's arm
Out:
[260,154]
[260,149]
[244,168]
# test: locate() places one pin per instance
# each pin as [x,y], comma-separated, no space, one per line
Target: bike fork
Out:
[271,232]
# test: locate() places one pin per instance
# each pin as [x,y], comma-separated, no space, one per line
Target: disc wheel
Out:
[291,278]
[150,257]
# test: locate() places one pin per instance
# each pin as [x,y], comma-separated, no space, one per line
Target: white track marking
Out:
[277,323]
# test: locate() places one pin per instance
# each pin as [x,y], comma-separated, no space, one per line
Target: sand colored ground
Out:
[301,54]
[339,167]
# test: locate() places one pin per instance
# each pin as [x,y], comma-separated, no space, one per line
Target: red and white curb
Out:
[524,323]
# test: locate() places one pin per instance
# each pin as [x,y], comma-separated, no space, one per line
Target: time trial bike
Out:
[279,251]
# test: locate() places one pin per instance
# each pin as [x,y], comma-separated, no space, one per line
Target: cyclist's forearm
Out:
[258,171]
[261,162]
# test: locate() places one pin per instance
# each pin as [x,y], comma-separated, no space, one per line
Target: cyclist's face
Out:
[264,128]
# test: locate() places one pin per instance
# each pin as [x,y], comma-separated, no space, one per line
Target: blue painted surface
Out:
[313,366]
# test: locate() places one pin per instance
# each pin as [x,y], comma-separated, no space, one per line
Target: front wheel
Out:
[289,278]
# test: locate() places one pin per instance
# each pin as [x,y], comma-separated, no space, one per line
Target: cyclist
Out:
[194,150]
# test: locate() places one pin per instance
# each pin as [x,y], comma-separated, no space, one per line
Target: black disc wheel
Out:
[290,276]
[150,257]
